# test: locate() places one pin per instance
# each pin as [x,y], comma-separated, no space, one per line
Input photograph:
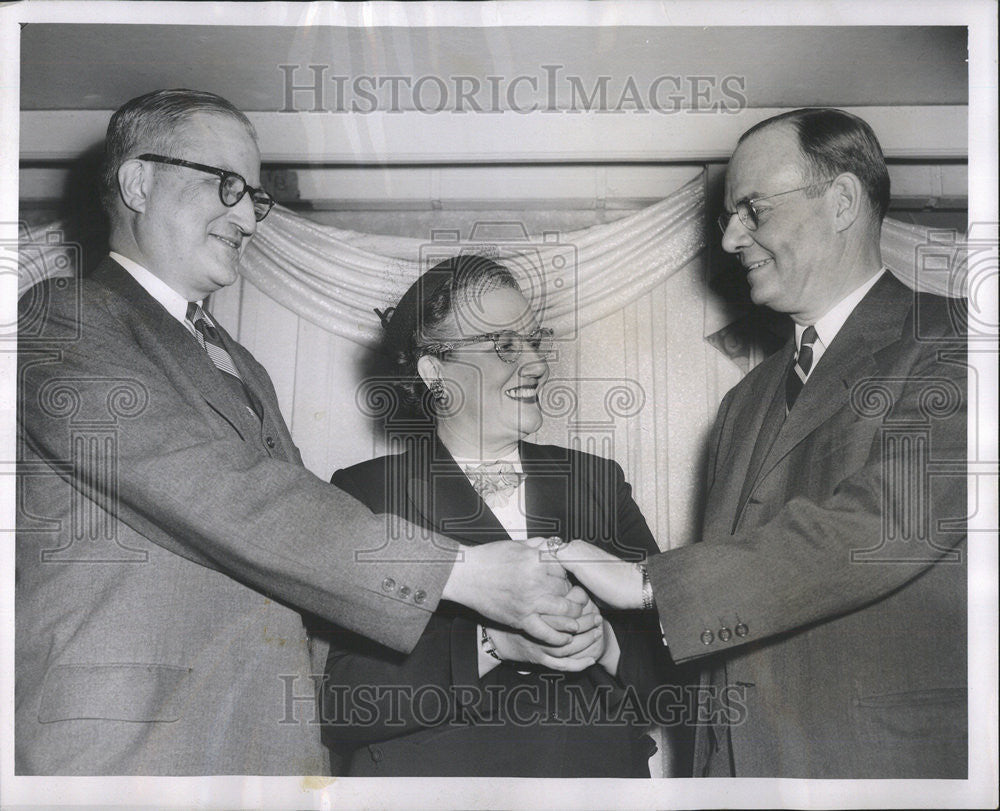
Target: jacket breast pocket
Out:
[114,692]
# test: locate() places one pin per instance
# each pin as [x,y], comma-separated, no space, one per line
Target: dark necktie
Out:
[800,369]
[210,340]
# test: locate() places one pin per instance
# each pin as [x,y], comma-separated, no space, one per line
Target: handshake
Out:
[550,622]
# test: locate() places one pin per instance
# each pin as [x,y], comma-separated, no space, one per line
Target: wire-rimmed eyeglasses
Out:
[746,209]
[508,344]
[232,186]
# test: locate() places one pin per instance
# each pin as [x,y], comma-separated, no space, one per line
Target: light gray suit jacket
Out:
[167,540]
[828,591]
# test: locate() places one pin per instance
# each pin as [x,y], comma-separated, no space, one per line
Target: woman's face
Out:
[495,402]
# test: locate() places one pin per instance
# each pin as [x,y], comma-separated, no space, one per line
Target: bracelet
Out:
[647,588]
[489,646]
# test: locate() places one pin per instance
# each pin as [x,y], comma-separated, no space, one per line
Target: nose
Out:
[533,363]
[242,215]
[736,236]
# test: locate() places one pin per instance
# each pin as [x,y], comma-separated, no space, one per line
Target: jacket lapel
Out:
[439,492]
[774,418]
[874,324]
[545,493]
[165,337]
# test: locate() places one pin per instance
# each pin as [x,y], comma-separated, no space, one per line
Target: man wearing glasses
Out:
[168,534]
[826,596]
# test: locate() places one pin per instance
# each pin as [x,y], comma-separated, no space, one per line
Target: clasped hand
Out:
[585,647]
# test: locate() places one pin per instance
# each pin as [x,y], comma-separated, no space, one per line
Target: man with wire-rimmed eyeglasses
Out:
[169,537]
[826,596]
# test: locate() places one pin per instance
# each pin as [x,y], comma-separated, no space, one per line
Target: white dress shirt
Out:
[830,324]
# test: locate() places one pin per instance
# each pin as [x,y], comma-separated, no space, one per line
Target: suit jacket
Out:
[443,719]
[167,538]
[829,589]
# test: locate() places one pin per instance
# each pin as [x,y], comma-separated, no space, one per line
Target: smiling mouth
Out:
[756,265]
[523,394]
[232,243]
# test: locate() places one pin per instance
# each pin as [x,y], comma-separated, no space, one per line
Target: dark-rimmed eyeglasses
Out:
[746,209]
[232,186]
[507,344]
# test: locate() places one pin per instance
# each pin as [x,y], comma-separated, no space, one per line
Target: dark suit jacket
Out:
[445,719]
[166,536]
[829,588]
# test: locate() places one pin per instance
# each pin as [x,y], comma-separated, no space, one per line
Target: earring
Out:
[437,390]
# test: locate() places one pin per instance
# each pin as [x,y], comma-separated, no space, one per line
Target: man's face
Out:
[791,257]
[186,235]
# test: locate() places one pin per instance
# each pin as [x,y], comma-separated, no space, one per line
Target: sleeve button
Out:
[388,584]
[742,630]
[419,596]
[404,592]
[725,634]
[707,637]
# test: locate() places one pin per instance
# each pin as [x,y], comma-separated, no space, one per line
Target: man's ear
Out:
[134,182]
[848,199]
[429,368]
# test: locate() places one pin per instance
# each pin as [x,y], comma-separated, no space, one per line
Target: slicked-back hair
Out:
[832,142]
[149,123]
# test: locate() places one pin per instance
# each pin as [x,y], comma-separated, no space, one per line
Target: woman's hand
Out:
[582,651]
[586,647]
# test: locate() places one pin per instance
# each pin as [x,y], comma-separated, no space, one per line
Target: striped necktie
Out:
[800,369]
[210,340]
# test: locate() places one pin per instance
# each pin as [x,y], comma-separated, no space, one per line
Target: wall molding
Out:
[906,132]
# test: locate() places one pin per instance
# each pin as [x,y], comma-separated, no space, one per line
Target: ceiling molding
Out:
[920,133]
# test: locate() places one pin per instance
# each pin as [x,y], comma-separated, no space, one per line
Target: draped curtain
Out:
[645,348]
[639,369]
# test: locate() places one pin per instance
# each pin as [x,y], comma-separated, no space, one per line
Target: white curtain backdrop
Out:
[634,377]
[645,349]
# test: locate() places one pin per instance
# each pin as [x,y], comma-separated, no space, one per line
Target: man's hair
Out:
[148,123]
[832,142]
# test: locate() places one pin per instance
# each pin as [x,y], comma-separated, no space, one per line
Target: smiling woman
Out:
[472,699]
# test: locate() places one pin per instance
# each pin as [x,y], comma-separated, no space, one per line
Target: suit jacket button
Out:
[388,584]
[742,630]
[404,592]
[725,634]
[707,637]
[269,441]
[376,754]
[419,596]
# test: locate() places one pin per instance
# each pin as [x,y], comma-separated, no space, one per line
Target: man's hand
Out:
[510,583]
[617,582]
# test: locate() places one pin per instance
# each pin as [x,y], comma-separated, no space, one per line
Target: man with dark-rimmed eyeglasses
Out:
[169,537]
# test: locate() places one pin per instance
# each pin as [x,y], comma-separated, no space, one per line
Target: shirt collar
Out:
[830,324]
[172,301]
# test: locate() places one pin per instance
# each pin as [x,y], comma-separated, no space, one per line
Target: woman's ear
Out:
[429,368]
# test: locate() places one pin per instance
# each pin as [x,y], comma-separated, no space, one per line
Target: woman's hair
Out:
[414,325]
